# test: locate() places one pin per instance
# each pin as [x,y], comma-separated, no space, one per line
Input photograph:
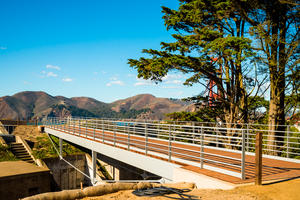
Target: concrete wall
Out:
[8,138]
[19,186]
[64,175]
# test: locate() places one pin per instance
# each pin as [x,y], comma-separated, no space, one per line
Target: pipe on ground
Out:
[101,190]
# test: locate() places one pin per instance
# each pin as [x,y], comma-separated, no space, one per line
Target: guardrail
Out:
[199,146]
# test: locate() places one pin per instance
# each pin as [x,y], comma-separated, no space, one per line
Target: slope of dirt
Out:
[27,132]
[289,190]
[12,108]
[158,106]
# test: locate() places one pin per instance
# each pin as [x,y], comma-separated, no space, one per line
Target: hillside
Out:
[29,104]
[157,107]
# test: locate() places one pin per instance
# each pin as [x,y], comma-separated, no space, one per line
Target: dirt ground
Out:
[27,132]
[288,190]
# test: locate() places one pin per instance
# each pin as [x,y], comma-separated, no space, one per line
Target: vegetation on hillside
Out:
[6,154]
[61,109]
[43,148]
[257,109]
[101,112]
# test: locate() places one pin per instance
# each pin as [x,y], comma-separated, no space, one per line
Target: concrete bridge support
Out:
[60,147]
[94,160]
[118,170]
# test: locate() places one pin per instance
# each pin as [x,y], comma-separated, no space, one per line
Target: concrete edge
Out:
[202,181]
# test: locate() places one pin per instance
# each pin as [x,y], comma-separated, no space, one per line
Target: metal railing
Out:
[196,145]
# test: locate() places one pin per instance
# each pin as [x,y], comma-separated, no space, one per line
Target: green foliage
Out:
[102,111]
[213,41]
[6,154]
[43,148]
[209,45]
[74,111]
[130,113]
[292,103]
[202,115]
[258,108]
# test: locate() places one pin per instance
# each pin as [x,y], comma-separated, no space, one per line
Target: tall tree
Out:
[275,28]
[210,44]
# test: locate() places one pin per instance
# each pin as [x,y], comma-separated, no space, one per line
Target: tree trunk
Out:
[277,79]
[276,122]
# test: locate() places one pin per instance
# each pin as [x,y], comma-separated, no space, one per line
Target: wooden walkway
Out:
[273,169]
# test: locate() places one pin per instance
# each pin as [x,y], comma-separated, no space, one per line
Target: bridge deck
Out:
[273,169]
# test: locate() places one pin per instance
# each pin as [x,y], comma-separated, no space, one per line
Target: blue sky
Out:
[80,48]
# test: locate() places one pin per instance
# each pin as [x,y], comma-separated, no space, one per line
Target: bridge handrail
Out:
[240,140]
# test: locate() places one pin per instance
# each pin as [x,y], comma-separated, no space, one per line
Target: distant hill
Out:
[157,107]
[29,104]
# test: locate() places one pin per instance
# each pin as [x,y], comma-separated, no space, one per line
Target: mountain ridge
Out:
[39,104]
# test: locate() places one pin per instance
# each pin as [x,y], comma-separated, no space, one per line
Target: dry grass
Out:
[28,132]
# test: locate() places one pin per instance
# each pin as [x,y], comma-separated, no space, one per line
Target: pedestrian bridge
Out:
[211,156]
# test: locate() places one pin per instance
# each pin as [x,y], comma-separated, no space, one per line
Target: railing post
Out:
[128,139]
[79,128]
[202,148]
[258,158]
[158,132]
[247,138]
[243,156]
[170,144]
[86,128]
[64,125]
[193,124]
[124,127]
[217,136]
[103,130]
[288,142]
[146,140]
[114,128]
[74,127]
[134,129]
[95,126]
